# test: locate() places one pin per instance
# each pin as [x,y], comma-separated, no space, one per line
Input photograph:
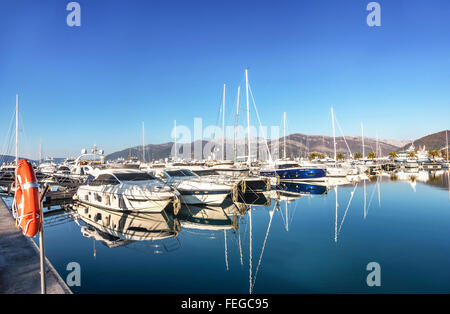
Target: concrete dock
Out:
[20,263]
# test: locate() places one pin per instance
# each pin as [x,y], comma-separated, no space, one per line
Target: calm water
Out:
[294,245]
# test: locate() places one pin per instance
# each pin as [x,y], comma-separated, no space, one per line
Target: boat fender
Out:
[176,205]
[268,185]
[176,226]
[235,193]
[243,186]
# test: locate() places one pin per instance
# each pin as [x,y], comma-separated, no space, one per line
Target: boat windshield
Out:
[180,173]
[285,166]
[206,172]
[134,176]
[104,179]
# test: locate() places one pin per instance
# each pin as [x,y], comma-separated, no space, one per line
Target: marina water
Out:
[301,245]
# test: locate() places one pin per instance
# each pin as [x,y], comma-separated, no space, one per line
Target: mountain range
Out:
[296,145]
[436,141]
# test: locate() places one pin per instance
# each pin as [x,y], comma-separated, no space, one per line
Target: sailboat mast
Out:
[334,133]
[175,136]
[143,141]
[223,123]
[248,118]
[362,137]
[17,129]
[284,127]
[376,145]
[446,139]
[250,253]
[40,152]
[237,122]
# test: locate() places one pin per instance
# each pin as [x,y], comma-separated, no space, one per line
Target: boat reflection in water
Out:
[212,218]
[116,228]
[302,188]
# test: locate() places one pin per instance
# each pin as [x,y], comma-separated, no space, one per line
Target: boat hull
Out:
[303,174]
[207,197]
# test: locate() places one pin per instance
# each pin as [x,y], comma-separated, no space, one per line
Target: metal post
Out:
[41,241]
[42,255]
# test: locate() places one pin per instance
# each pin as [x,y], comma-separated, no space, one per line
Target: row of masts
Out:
[378,150]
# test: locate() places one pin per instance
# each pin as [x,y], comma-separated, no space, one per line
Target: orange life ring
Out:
[26,206]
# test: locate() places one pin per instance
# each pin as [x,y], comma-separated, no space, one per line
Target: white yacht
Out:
[48,166]
[77,170]
[197,190]
[127,190]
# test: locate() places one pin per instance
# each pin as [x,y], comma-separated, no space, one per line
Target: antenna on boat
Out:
[223,123]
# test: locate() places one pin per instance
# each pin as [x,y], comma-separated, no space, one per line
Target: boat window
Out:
[285,166]
[188,173]
[176,173]
[134,176]
[206,172]
[105,179]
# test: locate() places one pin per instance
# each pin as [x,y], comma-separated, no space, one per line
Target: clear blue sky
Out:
[156,61]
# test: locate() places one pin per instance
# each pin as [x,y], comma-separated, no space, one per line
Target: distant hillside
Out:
[152,151]
[296,145]
[301,145]
[9,159]
[432,141]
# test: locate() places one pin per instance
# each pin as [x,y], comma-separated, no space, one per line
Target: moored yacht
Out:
[197,190]
[127,190]
[291,170]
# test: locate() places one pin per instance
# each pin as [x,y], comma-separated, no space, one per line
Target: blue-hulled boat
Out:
[289,170]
